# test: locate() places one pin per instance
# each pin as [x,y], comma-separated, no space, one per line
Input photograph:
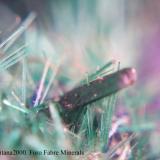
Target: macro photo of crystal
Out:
[79,79]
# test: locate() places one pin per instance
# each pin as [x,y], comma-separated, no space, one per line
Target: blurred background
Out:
[82,35]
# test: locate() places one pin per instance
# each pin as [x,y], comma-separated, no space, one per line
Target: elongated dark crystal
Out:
[100,88]
[74,100]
